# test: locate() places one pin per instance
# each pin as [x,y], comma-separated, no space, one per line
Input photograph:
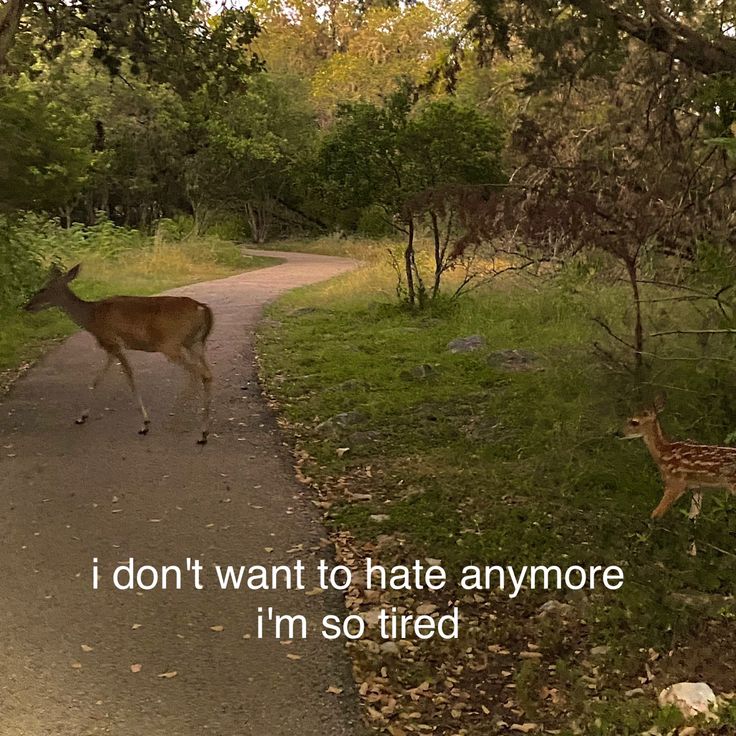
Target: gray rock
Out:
[514,361]
[352,384]
[419,371]
[379,518]
[555,608]
[690,698]
[390,647]
[466,344]
[342,420]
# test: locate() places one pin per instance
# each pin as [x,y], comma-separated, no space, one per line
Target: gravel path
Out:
[70,493]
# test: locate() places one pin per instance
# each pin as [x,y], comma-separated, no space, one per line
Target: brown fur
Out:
[176,326]
[683,465]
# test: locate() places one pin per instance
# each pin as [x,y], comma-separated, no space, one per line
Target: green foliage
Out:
[477,465]
[45,150]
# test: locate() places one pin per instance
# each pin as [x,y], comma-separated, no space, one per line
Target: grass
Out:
[142,271]
[473,464]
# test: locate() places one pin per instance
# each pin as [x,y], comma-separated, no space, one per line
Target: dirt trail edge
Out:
[75,661]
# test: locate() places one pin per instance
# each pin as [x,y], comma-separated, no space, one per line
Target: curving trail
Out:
[70,493]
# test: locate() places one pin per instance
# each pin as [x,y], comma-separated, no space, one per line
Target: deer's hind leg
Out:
[192,360]
[696,504]
[198,353]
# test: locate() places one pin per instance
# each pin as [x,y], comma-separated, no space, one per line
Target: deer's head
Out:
[53,293]
[645,422]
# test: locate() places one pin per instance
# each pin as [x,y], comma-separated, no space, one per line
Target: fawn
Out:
[176,326]
[684,465]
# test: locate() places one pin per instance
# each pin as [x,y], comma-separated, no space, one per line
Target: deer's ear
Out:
[659,401]
[72,273]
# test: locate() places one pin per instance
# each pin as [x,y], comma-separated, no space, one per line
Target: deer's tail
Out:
[208,320]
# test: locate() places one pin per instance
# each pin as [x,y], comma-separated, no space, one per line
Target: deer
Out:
[683,465]
[176,326]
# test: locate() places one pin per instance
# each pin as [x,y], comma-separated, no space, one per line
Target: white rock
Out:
[690,698]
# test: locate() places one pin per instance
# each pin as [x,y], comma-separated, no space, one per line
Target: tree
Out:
[45,150]
[404,160]
[585,36]
[169,40]
[255,142]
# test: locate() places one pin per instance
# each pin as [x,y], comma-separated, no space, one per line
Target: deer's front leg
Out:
[82,418]
[673,489]
[128,371]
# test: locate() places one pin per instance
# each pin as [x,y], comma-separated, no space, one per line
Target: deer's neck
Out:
[79,310]
[656,441]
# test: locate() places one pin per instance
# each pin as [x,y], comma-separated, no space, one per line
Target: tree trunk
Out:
[632,271]
[438,260]
[10,16]
[409,265]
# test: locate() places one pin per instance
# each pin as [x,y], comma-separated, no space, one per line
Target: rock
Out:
[390,647]
[466,344]
[514,361]
[426,609]
[690,698]
[353,384]
[600,651]
[379,518]
[362,438]
[340,421]
[555,608]
[419,371]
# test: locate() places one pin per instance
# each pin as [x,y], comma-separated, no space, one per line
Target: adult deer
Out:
[176,326]
[683,465]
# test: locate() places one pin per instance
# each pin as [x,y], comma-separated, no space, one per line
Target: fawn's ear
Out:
[659,402]
[72,273]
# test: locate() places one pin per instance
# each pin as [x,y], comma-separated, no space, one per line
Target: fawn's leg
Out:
[128,371]
[82,418]
[695,506]
[673,489]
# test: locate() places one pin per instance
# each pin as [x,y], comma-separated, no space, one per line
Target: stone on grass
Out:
[419,371]
[378,518]
[555,608]
[600,651]
[690,698]
[342,420]
[514,361]
[466,344]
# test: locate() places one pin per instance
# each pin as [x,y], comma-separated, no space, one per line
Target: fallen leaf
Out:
[87,648]
[136,667]
[76,665]
[334,690]
[217,628]
[168,675]
[293,656]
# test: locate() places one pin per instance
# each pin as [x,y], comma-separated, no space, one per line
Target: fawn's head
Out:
[53,293]
[645,422]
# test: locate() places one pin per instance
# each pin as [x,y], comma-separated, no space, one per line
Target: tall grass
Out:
[114,260]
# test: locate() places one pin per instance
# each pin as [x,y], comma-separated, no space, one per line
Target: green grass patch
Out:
[476,464]
[139,271]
